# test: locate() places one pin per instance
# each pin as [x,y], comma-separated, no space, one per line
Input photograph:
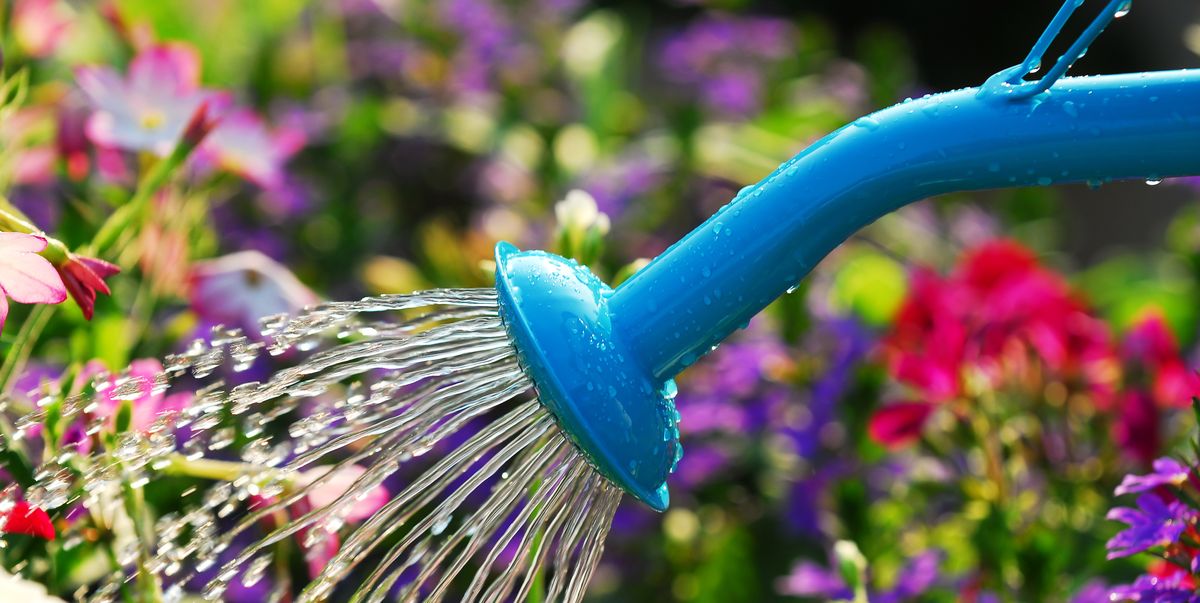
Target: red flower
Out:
[31,521]
[899,424]
[993,316]
[1152,347]
[1137,430]
[83,277]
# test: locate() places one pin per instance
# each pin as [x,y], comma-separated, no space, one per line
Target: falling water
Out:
[373,392]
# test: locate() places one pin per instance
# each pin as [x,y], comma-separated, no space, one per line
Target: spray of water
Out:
[386,391]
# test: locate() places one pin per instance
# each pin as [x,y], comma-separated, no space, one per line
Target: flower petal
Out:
[899,424]
[30,278]
[17,242]
[31,521]
[174,68]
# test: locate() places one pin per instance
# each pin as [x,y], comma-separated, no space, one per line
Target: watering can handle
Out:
[1010,83]
[1006,133]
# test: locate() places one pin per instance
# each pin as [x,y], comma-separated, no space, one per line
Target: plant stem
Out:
[209,469]
[22,347]
[135,505]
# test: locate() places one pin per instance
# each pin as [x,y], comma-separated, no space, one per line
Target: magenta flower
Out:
[899,424]
[149,108]
[241,288]
[25,276]
[1153,523]
[244,145]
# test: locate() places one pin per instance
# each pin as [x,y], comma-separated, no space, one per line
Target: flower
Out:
[241,288]
[1167,472]
[808,579]
[1149,588]
[13,588]
[84,277]
[728,59]
[577,213]
[985,322]
[149,109]
[898,424]
[1137,429]
[149,403]
[40,25]
[31,521]
[327,492]
[242,144]
[25,276]
[1153,523]
[1152,347]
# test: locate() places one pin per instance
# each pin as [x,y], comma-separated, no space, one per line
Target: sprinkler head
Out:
[623,419]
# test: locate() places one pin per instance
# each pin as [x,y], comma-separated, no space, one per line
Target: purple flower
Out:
[1167,472]
[917,577]
[149,108]
[1153,589]
[241,288]
[807,579]
[726,58]
[702,462]
[1153,523]
[1093,592]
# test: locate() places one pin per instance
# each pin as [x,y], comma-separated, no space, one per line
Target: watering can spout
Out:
[602,360]
[1089,129]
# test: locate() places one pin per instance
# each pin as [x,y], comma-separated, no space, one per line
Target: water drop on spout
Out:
[1123,9]
[1153,181]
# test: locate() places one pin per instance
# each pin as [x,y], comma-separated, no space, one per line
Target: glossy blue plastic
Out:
[559,320]
[601,358]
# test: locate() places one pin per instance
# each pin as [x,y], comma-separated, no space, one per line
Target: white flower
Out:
[578,212]
[13,588]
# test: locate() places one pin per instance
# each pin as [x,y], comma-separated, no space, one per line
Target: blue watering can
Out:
[603,359]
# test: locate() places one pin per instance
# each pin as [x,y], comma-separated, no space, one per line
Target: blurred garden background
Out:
[940,412]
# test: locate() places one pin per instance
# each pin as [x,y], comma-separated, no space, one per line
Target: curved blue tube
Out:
[1087,129]
[602,360]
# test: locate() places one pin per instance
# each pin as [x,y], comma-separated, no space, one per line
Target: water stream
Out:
[376,385]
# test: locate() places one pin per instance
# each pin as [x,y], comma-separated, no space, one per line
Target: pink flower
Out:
[25,276]
[244,145]
[40,25]
[338,484]
[149,404]
[325,494]
[149,108]
[241,288]
[84,277]
[899,424]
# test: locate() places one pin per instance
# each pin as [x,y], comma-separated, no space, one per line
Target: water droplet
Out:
[440,525]
[1123,9]
[1153,181]
[255,571]
[867,122]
